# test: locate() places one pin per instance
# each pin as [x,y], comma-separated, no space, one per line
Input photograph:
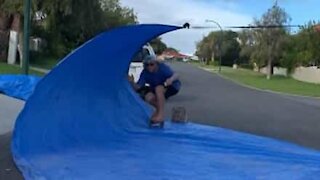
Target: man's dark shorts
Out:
[170,91]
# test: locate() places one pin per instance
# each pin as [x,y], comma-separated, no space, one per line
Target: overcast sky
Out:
[226,12]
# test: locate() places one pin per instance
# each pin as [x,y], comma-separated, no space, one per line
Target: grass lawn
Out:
[13,69]
[44,62]
[277,83]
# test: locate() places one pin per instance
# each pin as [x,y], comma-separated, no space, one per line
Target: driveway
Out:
[9,109]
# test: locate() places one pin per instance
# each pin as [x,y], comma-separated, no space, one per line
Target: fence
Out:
[305,74]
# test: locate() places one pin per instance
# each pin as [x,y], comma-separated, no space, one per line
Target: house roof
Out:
[172,53]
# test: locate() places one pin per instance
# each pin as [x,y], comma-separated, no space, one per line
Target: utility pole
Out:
[26,36]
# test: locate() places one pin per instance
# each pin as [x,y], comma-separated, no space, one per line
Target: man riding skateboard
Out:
[162,83]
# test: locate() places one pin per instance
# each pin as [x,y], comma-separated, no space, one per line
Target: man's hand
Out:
[131,78]
[168,82]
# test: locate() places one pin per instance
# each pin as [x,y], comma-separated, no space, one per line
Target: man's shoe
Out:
[156,124]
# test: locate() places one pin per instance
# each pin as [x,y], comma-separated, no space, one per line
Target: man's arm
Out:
[134,85]
[170,80]
[172,75]
[141,82]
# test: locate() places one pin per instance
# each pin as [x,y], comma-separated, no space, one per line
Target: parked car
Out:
[136,65]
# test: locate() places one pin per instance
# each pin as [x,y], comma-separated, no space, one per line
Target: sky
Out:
[225,12]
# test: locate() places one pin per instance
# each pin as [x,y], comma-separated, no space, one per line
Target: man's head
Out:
[150,63]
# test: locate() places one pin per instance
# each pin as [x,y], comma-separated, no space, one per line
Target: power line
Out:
[247,27]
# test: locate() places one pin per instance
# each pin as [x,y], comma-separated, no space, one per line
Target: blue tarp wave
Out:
[18,86]
[84,121]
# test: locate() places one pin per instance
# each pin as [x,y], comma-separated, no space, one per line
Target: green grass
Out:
[14,69]
[276,83]
[44,62]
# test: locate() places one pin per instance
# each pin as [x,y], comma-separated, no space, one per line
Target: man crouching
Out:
[163,83]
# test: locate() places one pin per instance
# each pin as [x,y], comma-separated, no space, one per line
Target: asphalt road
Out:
[211,100]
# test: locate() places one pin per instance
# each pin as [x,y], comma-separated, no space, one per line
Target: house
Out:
[170,54]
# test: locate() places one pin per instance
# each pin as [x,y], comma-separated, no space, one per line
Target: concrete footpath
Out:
[9,110]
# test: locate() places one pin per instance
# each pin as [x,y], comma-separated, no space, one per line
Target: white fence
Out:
[276,71]
[306,74]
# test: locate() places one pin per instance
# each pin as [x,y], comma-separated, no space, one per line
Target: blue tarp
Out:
[84,121]
[18,86]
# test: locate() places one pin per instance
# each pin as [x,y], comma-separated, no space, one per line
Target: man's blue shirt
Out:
[158,78]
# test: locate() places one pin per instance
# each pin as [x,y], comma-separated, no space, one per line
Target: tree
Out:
[158,46]
[12,14]
[209,47]
[290,54]
[302,49]
[10,18]
[259,56]
[70,23]
[271,39]
[205,49]
[116,15]
[309,40]
[258,47]
[4,24]
[67,23]
[230,48]
[246,46]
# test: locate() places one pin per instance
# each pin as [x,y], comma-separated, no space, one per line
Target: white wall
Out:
[307,74]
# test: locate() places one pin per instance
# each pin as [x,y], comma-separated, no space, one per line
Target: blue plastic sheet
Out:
[84,121]
[18,86]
